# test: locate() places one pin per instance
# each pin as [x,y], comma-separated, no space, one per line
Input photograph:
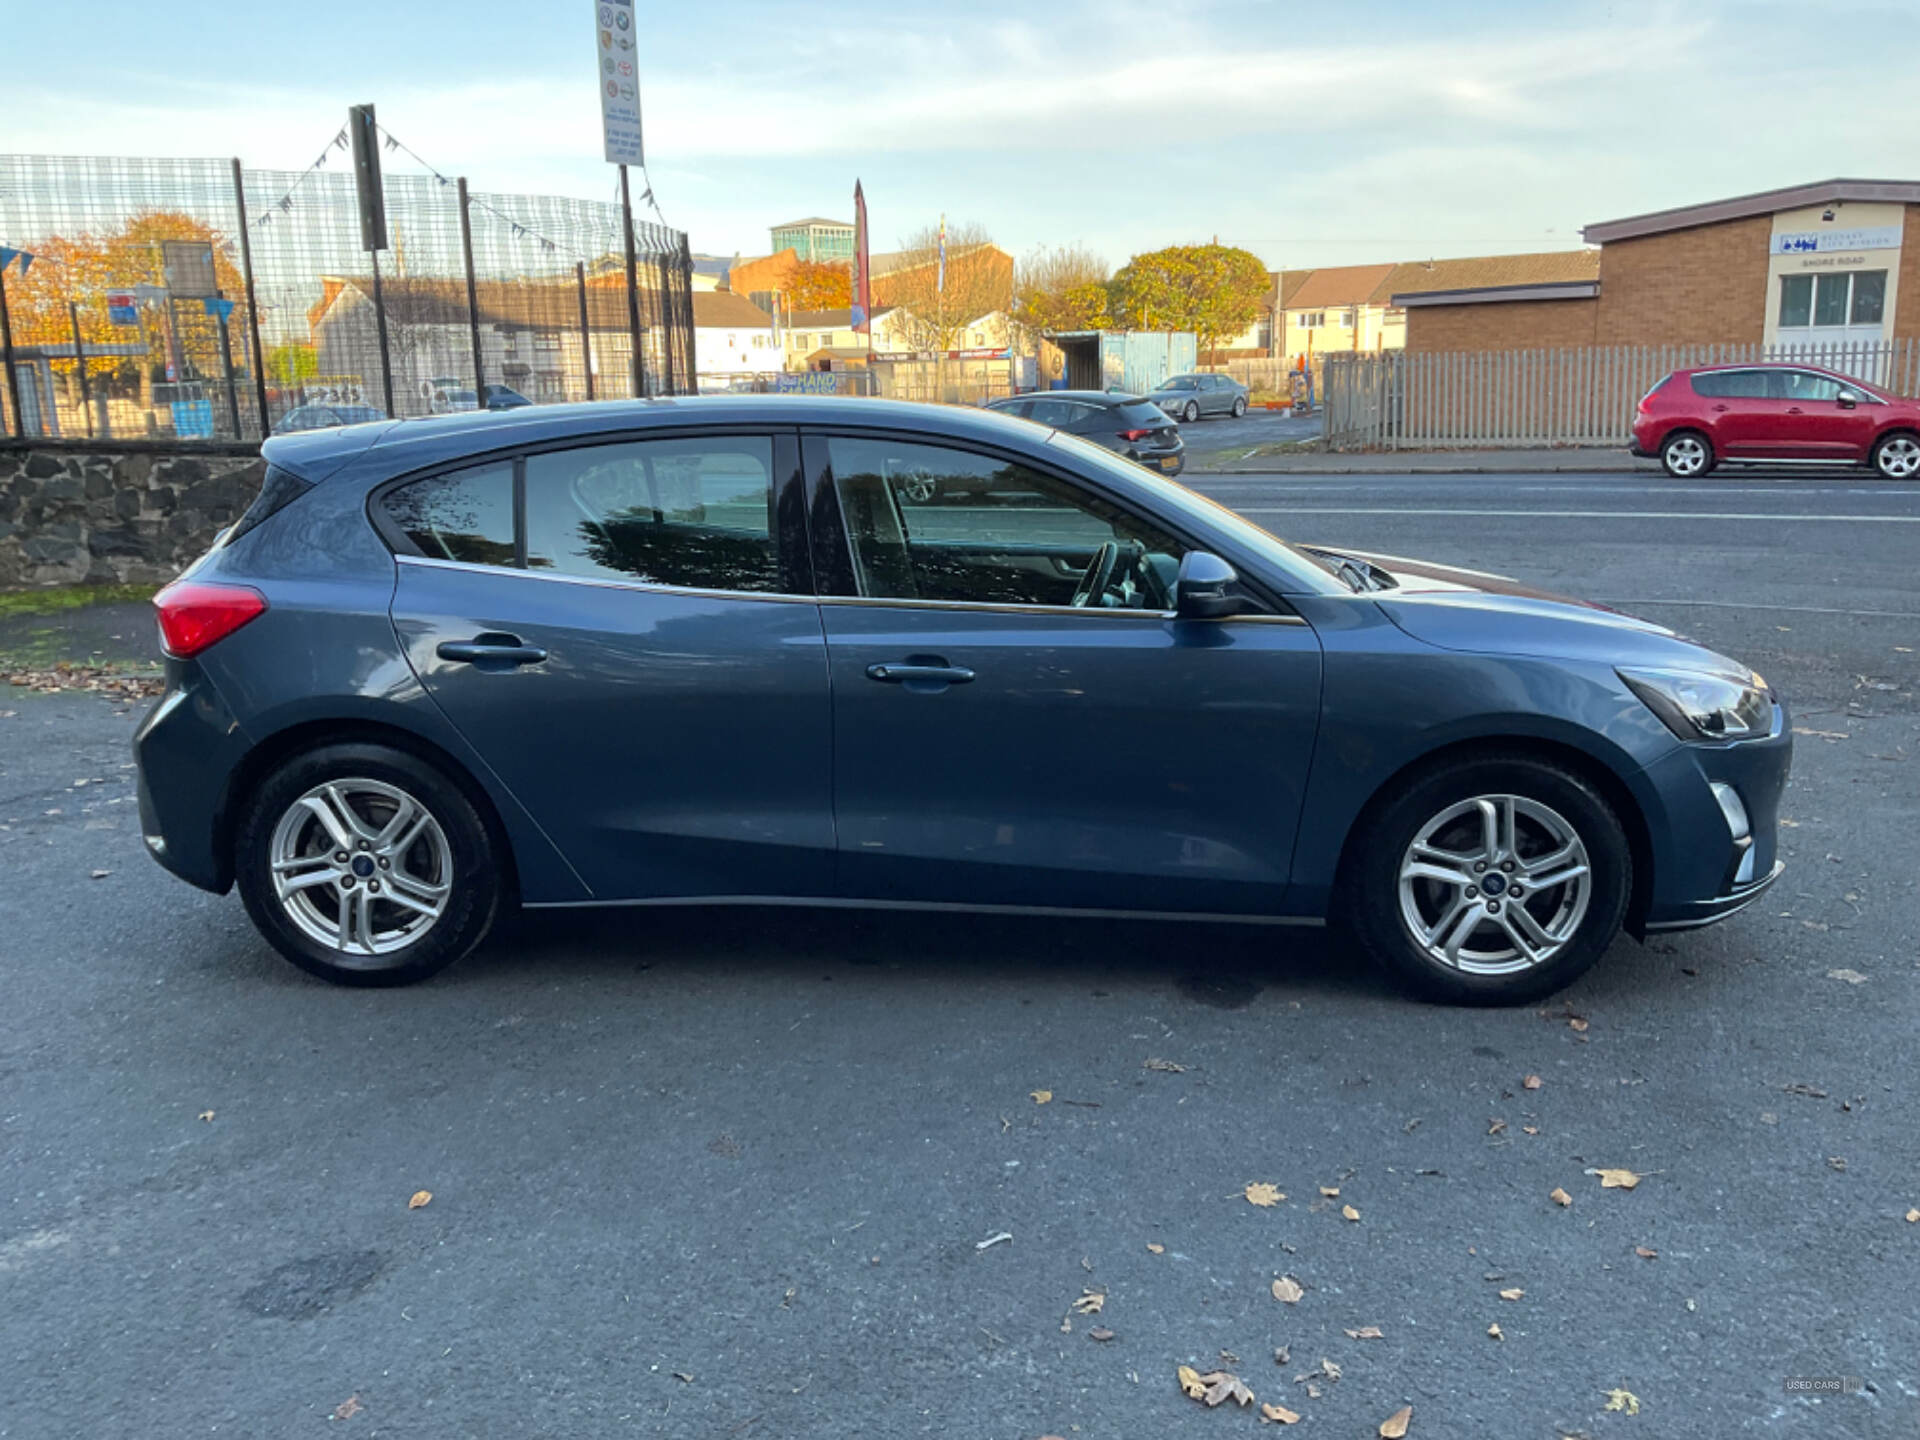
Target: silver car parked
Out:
[1188,397]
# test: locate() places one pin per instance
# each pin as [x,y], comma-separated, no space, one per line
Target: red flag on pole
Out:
[862,280]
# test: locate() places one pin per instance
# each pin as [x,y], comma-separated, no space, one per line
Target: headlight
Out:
[1697,706]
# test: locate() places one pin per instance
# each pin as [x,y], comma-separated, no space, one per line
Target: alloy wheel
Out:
[1899,457]
[1495,885]
[361,867]
[1193,411]
[1686,456]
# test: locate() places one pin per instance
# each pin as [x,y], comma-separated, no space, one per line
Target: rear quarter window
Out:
[466,516]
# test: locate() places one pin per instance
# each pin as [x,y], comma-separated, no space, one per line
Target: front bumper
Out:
[1703,871]
[186,750]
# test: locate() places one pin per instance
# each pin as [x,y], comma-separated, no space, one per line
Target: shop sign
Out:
[1825,242]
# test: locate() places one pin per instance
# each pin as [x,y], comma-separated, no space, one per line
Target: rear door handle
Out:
[1795,410]
[490,652]
[903,674]
[1719,409]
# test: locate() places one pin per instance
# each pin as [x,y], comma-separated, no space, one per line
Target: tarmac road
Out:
[729,1174]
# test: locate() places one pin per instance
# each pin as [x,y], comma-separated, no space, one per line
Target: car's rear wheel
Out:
[1489,881]
[1687,455]
[1192,412]
[1898,456]
[366,865]
[1239,406]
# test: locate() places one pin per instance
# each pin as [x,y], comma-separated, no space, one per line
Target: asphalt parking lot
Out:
[712,1174]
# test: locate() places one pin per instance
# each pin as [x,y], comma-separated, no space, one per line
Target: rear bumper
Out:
[1161,462]
[186,750]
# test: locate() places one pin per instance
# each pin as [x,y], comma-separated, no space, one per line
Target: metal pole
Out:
[80,364]
[633,291]
[13,372]
[473,299]
[684,291]
[380,318]
[226,365]
[253,305]
[586,333]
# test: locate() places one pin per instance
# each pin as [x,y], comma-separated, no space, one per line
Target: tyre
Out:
[1897,456]
[1490,881]
[366,865]
[1192,412]
[1239,406]
[1687,455]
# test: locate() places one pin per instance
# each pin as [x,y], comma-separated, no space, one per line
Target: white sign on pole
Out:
[616,58]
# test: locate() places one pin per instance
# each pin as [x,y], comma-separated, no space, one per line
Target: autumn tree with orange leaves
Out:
[820,285]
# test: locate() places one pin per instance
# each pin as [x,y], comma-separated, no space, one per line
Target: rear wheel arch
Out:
[1582,763]
[1693,432]
[274,751]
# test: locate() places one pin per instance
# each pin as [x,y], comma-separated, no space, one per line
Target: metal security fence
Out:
[1404,400]
[201,300]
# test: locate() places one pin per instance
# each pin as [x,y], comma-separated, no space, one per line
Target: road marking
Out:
[1884,492]
[1575,514]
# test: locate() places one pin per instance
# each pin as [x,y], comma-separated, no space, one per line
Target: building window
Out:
[1311,320]
[1832,301]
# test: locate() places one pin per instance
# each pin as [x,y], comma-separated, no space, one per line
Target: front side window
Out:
[691,513]
[930,523]
[1804,385]
[465,516]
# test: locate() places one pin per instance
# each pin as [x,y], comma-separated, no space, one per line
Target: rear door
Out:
[625,632]
[1742,419]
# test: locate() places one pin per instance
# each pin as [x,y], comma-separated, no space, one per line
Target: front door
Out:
[637,658]
[1816,424]
[1017,718]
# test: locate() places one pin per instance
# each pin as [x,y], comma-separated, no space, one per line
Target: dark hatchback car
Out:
[651,653]
[1775,414]
[1129,425]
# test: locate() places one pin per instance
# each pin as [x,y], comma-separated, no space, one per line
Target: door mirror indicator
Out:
[1202,590]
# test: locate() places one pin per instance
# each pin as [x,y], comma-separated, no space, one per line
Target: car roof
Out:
[435,438]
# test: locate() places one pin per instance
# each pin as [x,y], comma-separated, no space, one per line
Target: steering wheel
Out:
[1099,574]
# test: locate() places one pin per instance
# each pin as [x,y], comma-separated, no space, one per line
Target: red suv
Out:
[1775,414]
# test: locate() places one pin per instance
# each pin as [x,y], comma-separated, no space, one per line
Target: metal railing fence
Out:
[1418,400]
[201,300]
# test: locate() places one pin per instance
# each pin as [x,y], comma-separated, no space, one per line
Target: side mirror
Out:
[1200,592]
[1847,399]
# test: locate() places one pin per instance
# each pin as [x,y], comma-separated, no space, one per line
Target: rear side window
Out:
[465,516]
[1739,384]
[1142,414]
[692,513]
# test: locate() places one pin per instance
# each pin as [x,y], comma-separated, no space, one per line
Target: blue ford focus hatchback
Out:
[808,651]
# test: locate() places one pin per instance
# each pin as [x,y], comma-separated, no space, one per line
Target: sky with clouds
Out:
[1312,135]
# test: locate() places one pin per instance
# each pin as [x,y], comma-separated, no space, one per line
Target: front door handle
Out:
[1720,409]
[490,652]
[906,674]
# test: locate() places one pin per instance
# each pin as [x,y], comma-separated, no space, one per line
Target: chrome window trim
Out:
[986,606]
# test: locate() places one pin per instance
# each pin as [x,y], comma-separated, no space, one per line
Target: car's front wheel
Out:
[1192,412]
[366,865]
[1687,455]
[1898,456]
[1489,881]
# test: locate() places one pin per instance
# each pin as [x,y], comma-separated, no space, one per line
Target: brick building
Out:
[1834,262]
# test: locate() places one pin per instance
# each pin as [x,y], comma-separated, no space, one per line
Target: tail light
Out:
[194,615]
[1135,435]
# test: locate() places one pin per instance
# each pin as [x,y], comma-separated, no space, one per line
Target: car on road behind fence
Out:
[1188,397]
[318,417]
[1128,424]
[1775,414]
[711,650]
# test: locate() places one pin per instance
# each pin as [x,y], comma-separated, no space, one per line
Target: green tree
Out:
[1059,289]
[1212,290]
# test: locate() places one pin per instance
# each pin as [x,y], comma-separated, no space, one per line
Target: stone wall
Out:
[74,513]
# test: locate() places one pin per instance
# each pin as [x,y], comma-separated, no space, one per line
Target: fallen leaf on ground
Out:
[987,1244]
[1332,1192]
[1278,1415]
[1395,1425]
[1167,1066]
[1821,734]
[1913,1217]
[1799,1088]
[1041,1097]
[207,1115]
[1559,1196]
[102,874]
[1283,1354]
[1288,1290]
[1837,1162]
[1262,1194]
[1089,1303]
[1623,1400]
[348,1408]
[1190,1384]
[1494,1127]
[1531,1129]
[1495,1331]
[1367,1332]
[1329,1369]
[1349,1212]
[1155,1249]
[1100,1332]
[1646,1252]
[1513,1294]
[1852,977]
[1616,1179]
[685,1377]
[419,1199]
[1577,1025]
[1532,1082]
[1222,1387]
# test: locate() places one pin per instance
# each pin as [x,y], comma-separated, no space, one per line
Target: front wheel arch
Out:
[1600,776]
